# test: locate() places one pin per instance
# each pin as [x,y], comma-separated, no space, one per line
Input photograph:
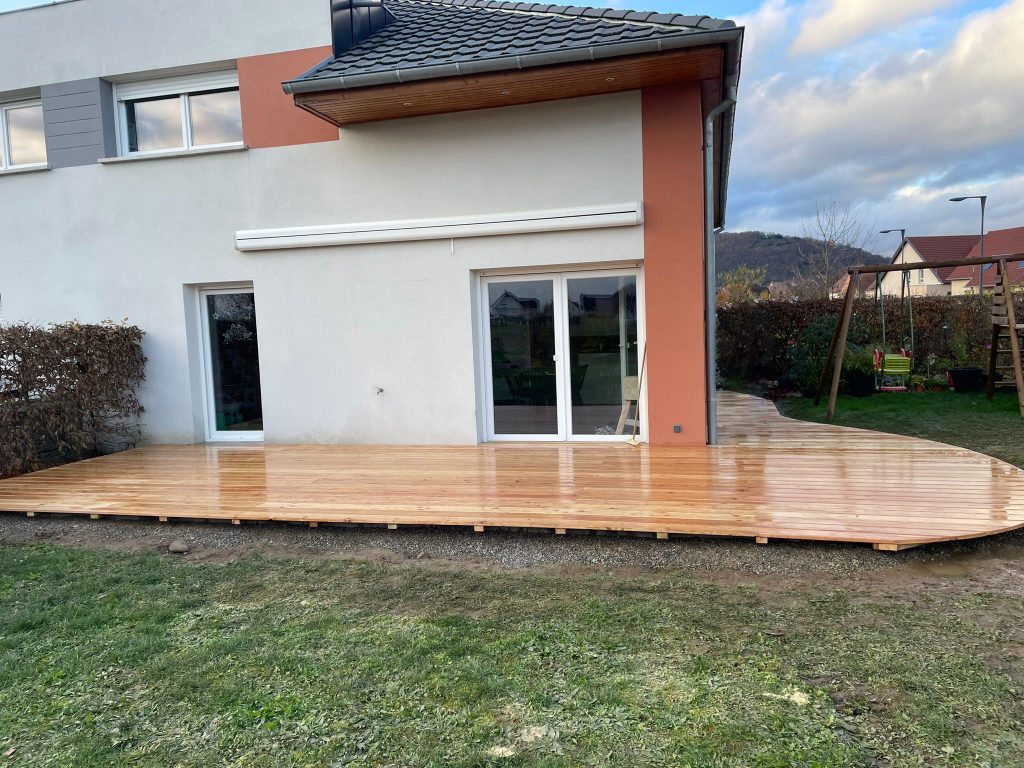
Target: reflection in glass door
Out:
[523,354]
[234,403]
[563,355]
[603,355]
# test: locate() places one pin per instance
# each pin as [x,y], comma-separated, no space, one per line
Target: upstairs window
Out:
[22,139]
[179,114]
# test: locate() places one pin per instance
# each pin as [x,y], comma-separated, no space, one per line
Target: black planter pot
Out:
[860,384]
[967,379]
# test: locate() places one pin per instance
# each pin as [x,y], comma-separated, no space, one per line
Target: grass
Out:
[966,420]
[126,660]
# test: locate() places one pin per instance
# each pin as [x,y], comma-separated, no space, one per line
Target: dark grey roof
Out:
[444,38]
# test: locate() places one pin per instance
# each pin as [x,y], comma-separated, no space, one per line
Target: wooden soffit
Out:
[504,89]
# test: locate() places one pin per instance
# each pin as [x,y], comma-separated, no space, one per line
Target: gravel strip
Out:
[495,548]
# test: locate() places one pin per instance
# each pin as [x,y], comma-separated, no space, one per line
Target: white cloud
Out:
[766,27]
[833,24]
[921,121]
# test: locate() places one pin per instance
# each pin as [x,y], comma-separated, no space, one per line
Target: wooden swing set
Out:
[1004,326]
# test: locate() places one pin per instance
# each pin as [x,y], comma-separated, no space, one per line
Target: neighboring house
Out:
[510,308]
[273,189]
[951,281]
[998,242]
[866,282]
[927,281]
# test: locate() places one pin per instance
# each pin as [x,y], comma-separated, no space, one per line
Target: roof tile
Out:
[943,248]
[998,242]
[439,32]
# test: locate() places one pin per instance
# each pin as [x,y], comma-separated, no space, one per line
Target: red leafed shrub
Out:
[754,338]
[67,392]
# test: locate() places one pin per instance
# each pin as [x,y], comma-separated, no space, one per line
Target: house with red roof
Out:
[928,281]
[953,281]
[867,285]
[999,242]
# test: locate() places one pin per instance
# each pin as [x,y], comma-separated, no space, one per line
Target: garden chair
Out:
[891,368]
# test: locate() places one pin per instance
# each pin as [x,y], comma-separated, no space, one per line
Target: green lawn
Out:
[110,659]
[967,420]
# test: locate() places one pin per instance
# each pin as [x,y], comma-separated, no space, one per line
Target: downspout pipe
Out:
[710,269]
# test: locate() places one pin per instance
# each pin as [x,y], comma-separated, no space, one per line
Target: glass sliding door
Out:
[234,404]
[563,355]
[603,355]
[522,351]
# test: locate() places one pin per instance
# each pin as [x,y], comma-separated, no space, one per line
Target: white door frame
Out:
[563,384]
[641,340]
[209,407]
[488,376]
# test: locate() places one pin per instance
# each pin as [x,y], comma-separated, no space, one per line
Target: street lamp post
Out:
[903,240]
[981,271]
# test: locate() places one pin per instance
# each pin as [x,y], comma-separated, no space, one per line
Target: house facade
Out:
[404,223]
[927,280]
[998,242]
[953,281]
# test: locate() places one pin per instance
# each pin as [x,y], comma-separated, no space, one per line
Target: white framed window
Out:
[179,114]
[920,276]
[22,138]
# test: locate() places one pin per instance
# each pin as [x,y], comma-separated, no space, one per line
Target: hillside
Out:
[779,253]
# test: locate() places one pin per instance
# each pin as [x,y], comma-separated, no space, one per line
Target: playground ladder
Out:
[1005,326]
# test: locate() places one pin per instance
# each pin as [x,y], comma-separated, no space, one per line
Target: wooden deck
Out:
[772,478]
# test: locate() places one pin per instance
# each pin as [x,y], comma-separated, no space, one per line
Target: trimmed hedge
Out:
[754,338]
[67,392]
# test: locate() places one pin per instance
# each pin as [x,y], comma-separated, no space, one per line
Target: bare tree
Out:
[835,231]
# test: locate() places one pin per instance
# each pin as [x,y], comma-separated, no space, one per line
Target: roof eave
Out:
[729,36]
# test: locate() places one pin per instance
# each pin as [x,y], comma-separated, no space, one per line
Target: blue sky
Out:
[890,106]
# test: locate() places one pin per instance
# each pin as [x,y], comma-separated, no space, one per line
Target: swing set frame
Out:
[837,349]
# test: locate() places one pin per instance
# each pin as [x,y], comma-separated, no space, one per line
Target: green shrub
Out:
[808,351]
[755,339]
[859,370]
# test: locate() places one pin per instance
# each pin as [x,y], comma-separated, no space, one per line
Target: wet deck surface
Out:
[772,478]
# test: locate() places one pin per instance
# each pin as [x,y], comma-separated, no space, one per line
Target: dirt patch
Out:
[937,572]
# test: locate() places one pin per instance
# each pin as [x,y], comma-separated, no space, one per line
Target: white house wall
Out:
[112,38]
[931,286]
[129,240]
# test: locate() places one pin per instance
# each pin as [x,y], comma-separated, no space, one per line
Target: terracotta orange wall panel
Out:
[674,263]
[269,116]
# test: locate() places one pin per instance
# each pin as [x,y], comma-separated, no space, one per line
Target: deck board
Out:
[770,478]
